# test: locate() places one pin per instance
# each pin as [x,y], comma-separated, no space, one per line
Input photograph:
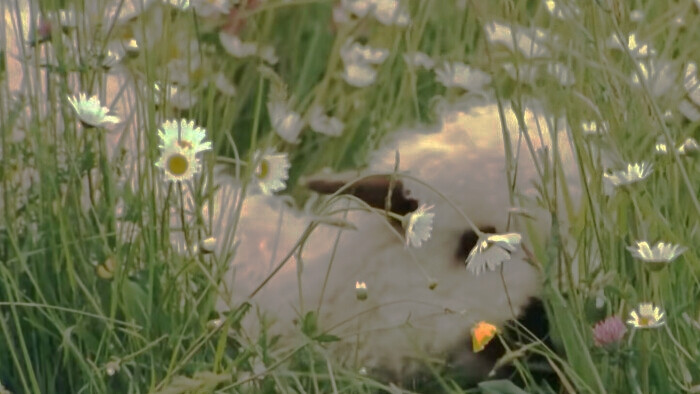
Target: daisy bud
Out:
[361,291]
[206,246]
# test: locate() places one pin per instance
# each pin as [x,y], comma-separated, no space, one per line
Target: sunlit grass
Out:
[106,284]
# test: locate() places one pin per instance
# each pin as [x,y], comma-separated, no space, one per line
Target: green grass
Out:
[62,325]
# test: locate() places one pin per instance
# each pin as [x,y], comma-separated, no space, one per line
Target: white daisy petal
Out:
[634,173]
[491,251]
[418,225]
[90,112]
[287,123]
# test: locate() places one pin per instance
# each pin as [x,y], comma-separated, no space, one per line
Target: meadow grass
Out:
[102,289]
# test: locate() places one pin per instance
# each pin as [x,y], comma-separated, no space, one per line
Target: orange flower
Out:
[482,334]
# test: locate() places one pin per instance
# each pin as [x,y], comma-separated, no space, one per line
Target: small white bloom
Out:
[637,16]
[657,75]
[90,112]
[591,128]
[691,83]
[418,225]
[182,5]
[660,253]
[524,73]
[457,74]
[181,98]
[287,123]
[112,367]
[354,52]
[272,171]
[646,316]
[359,8]
[361,290]
[359,75]
[207,245]
[689,110]
[660,148]
[561,10]
[322,123]
[211,8]
[267,53]
[418,59]
[689,146]
[235,47]
[224,85]
[387,12]
[491,251]
[528,42]
[637,49]
[634,173]
[390,12]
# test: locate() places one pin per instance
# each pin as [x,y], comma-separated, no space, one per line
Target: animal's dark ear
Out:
[373,190]
[468,240]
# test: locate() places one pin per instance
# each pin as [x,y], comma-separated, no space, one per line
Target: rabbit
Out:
[421,302]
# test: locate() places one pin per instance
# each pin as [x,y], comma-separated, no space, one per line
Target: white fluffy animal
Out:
[421,302]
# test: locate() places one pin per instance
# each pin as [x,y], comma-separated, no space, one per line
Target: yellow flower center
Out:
[263,169]
[644,321]
[178,164]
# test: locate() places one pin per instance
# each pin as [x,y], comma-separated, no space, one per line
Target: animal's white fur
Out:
[402,319]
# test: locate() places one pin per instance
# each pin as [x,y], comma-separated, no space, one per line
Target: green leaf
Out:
[500,387]
[323,338]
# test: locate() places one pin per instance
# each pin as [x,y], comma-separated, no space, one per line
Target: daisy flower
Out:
[418,59]
[660,253]
[324,124]
[638,49]
[90,112]
[387,12]
[634,173]
[609,331]
[361,291]
[491,251]
[211,8]
[418,225]
[287,123]
[689,146]
[458,74]
[691,82]
[358,60]
[235,47]
[592,128]
[482,334]
[180,143]
[224,84]
[272,171]
[182,5]
[646,316]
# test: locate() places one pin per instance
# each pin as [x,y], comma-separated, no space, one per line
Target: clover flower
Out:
[458,74]
[634,173]
[418,225]
[491,251]
[90,112]
[646,316]
[609,331]
[287,123]
[272,171]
